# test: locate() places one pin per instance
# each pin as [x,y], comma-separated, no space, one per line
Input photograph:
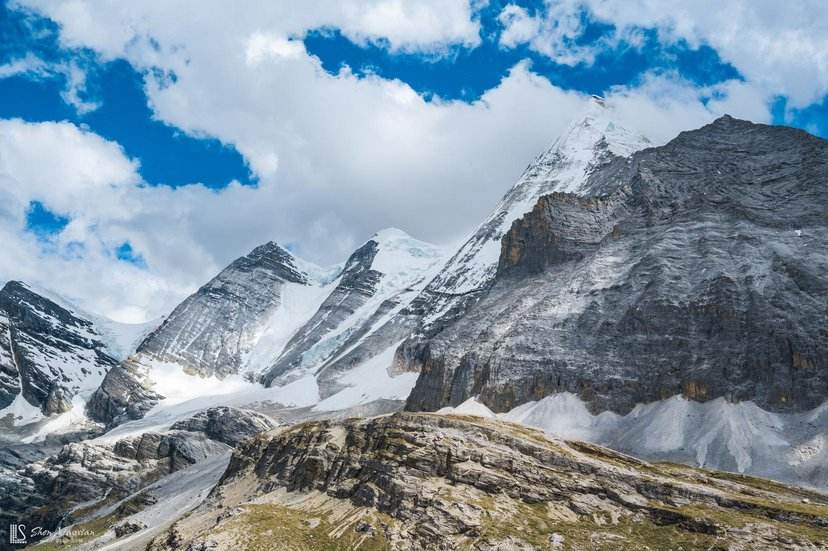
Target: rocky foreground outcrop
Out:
[109,477]
[425,481]
[698,268]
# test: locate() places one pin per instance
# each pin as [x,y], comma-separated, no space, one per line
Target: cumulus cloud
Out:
[81,176]
[781,50]
[338,157]
[518,26]
[552,33]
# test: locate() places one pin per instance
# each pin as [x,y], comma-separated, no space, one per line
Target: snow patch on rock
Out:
[717,434]
[370,381]
[471,407]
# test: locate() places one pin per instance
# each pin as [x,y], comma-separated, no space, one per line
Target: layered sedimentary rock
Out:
[419,481]
[355,321]
[212,330]
[209,334]
[588,144]
[699,270]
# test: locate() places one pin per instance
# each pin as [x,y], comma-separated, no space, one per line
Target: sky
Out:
[145,145]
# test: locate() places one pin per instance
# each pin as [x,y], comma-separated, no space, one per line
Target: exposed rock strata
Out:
[419,481]
[701,272]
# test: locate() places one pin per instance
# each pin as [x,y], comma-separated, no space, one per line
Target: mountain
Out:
[379,279]
[273,317]
[667,302]
[212,330]
[49,354]
[590,142]
[419,481]
[210,334]
[703,273]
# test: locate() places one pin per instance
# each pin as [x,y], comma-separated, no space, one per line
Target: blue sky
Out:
[182,142]
[167,155]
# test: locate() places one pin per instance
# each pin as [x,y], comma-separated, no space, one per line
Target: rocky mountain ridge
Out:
[419,481]
[701,273]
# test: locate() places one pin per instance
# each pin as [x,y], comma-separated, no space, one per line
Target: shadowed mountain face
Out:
[47,352]
[701,271]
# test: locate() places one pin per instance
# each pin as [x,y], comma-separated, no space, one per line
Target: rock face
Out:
[590,143]
[265,317]
[124,394]
[212,330]
[101,473]
[585,147]
[379,279]
[225,424]
[48,353]
[357,283]
[700,270]
[419,481]
[209,334]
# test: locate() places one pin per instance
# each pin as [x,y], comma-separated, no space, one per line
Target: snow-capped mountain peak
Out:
[590,141]
[401,256]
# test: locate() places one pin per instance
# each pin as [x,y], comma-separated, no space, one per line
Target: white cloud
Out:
[79,175]
[75,88]
[29,64]
[408,25]
[518,26]
[411,25]
[260,46]
[779,48]
[551,33]
[662,105]
[338,157]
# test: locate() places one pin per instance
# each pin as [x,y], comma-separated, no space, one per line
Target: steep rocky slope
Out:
[590,142]
[587,145]
[271,317]
[118,480]
[701,271]
[379,279]
[48,354]
[209,334]
[420,481]
[212,330]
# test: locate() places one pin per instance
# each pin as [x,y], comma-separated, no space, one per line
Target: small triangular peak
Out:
[288,265]
[270,249]
[390,238]
[387,235]
[597,127]
[397,250]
